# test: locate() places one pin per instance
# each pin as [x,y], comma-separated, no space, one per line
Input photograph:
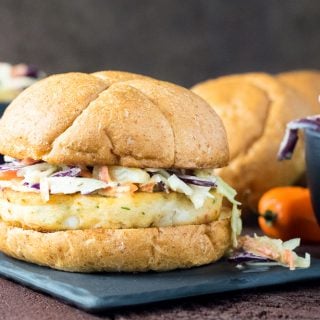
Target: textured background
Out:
[183,41]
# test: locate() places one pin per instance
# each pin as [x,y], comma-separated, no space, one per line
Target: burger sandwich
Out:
[112,171]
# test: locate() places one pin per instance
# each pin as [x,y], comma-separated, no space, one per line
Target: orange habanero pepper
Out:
[286,212]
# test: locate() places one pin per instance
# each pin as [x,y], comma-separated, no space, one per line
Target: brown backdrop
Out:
[184,41]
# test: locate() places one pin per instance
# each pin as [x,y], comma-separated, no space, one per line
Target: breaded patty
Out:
[138,210]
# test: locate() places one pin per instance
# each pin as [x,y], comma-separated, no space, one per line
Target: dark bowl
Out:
[312,146]
[3,107]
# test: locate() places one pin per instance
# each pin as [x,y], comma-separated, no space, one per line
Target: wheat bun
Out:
[140,249]
[255,108]
[113,118]
[306,83]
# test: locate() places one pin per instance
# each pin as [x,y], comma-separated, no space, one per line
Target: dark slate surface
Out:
[99,292]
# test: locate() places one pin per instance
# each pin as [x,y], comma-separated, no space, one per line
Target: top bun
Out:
[113,118]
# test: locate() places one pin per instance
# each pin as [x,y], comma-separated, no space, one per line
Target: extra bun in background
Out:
[70,133]
[306,83]
[255,108]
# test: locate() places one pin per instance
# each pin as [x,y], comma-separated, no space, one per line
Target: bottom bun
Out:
[128,250]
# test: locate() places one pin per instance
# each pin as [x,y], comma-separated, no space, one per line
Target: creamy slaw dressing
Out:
[46,179]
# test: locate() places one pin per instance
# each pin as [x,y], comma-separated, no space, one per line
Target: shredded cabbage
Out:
[53,179]
[236,222]
[291,244]
[33,174]
[44,189]
[69,185]
[226,190]
[178,185]
[199,195]
[204,173]
[303,262]
[68,172]
[8,159]
[276,250]
[156,178]
[161,172]
[132,175]
[11,166]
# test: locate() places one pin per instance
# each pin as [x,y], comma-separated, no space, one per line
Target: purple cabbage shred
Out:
[244,256]
[290,138]
[8,166]
[70,172]
[32,71]
[197,181]
[32,185]
[186,175]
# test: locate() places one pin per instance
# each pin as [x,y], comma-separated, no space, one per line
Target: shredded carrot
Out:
[29,161]
[288,259]
[104,174]
[126,187]
[133,187]
[85,173]
[250,244]
[8,175]
[122,189]
[148,187]
[109,192]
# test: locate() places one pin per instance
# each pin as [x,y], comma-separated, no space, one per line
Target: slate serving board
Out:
[99,292]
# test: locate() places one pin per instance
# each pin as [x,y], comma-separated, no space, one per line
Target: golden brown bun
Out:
[255,109]
[111,76]
[113,118]
[141,249]
[306,83]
